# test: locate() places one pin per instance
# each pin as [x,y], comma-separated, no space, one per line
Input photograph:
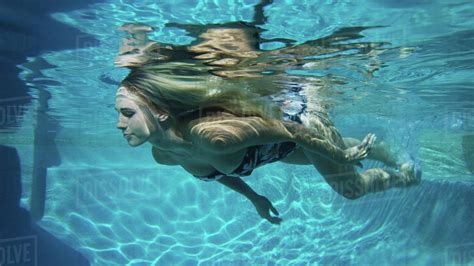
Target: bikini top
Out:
[256,156]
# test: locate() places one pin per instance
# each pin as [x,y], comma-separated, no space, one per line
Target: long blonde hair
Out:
[180,89]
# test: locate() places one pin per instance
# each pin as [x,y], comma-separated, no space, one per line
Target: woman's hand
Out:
[359,152]
[264,206]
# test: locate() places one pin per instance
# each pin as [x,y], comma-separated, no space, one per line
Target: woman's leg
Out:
[346,181]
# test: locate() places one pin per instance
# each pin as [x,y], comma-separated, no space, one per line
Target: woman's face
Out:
[134,121]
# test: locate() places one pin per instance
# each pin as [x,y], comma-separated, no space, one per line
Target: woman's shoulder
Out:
[229,133]
[207,121]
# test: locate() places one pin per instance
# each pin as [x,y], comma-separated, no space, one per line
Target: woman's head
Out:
[137,120]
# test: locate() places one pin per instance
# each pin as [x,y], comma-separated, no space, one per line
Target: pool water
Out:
[115,205]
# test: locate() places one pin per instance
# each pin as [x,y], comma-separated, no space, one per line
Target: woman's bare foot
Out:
[411,175]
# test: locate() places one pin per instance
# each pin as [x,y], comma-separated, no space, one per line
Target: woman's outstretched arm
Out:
[313,142]
[261,203]
[229,134]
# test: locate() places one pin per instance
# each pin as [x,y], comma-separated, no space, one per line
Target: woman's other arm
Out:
[261,203]
[310,140]
[230,134]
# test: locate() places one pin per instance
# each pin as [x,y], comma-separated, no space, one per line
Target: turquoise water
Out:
[116,206]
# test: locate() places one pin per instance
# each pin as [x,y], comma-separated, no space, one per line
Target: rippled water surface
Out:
[415,91]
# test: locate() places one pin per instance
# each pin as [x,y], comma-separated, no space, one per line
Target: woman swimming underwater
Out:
[210,110]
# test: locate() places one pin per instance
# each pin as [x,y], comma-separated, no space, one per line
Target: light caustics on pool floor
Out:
[117,207]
